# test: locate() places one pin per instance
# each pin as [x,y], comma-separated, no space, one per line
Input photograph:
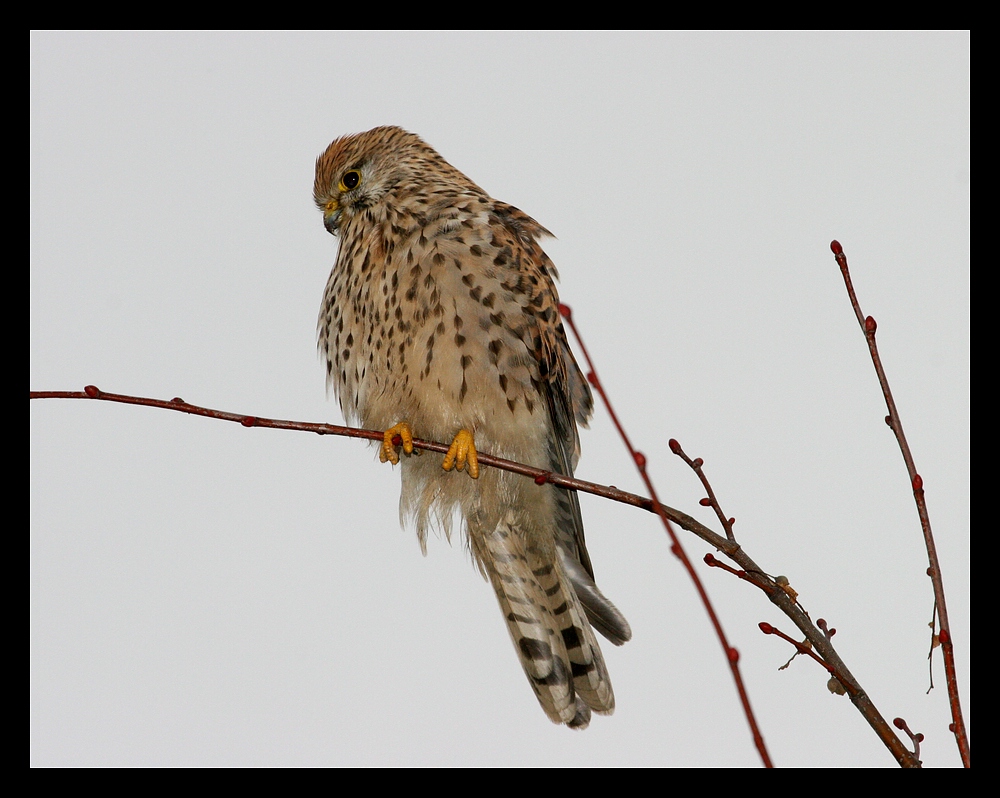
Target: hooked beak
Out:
[331,216]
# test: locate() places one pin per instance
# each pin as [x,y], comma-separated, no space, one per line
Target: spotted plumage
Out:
[441,320]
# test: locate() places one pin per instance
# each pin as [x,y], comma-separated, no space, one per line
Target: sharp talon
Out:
[462,454]
[403,434]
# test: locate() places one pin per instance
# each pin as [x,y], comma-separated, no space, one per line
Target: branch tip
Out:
[675,447]
[836,248]
[915,738]
[766,628]
[565,311]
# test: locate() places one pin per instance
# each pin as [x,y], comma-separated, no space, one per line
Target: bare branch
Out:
[732,654]
[779,593]
[869,327]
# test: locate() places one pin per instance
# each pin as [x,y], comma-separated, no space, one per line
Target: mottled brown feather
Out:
[442,312]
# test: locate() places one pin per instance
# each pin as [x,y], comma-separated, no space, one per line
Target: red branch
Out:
[767,629]
[916,739]
[869,326]
[751,572]
[777,592]
[540,476]
[710,500]
[732,654]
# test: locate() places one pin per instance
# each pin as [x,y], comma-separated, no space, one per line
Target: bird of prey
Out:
[441,321]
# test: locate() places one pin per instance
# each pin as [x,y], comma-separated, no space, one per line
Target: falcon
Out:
[440,320]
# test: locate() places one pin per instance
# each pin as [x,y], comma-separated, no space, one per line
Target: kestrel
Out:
[440,320]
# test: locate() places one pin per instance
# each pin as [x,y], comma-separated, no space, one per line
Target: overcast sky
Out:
[206,594]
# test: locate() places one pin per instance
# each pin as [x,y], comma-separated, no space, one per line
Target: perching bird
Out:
[440,321]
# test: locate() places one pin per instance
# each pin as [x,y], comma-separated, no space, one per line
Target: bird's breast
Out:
[428,330]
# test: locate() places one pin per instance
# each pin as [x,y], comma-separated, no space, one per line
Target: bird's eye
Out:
[350,180]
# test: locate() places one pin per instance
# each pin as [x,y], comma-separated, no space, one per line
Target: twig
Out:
[710,500]
[751,572]
[540,476]
[767,629]
[732,654]
[779,594]
[869,326]
[916,739]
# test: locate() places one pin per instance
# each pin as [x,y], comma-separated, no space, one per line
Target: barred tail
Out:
[549,628]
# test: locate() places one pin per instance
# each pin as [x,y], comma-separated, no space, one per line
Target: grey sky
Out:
[204,594]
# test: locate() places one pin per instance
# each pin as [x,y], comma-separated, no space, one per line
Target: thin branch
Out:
[779,594]
[869,327]
[732,654]
[710,500]
[539,475]
[767,629]
[751,572]
[916,739]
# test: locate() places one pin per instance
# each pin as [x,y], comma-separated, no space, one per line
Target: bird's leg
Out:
[462,452]
[388,450]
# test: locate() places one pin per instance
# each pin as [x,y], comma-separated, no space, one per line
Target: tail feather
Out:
[563,451]
[549,628]
[604,616]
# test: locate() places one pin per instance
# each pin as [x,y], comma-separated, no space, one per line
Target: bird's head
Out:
[356,172]
[364,171]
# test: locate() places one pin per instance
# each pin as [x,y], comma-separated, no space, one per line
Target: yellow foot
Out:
[388,450]
[462,452]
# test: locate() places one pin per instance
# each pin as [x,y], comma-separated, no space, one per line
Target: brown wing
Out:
[569,402]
